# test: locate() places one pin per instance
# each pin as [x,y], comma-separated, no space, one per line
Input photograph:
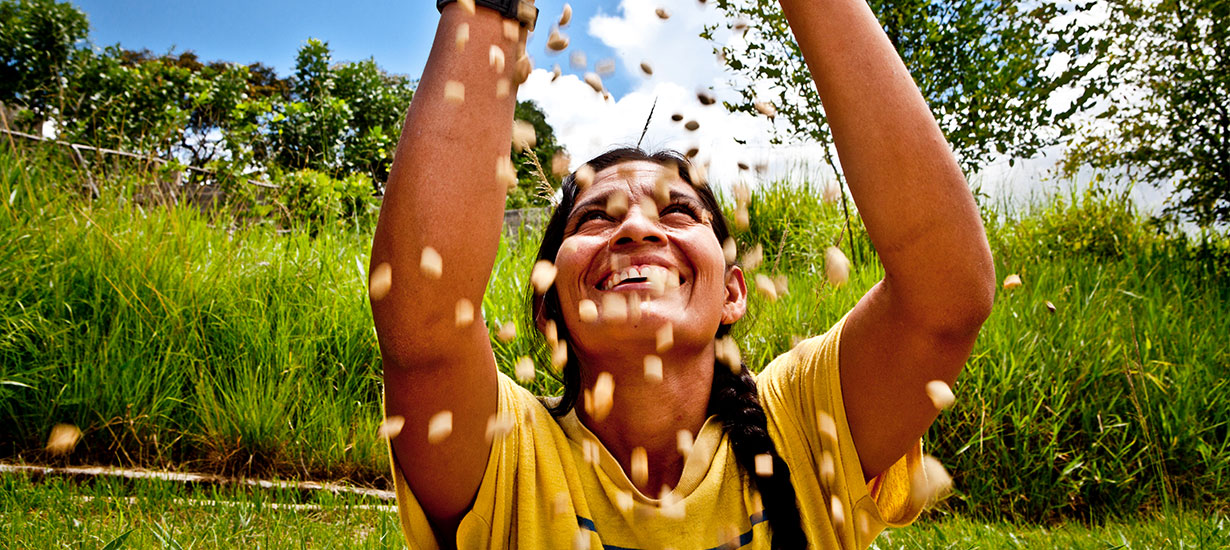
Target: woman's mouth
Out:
[653,277]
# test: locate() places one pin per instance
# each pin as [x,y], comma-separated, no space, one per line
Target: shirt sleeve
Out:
[801,394]
[487,524]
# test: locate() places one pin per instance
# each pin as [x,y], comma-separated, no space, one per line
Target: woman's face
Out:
[667,264]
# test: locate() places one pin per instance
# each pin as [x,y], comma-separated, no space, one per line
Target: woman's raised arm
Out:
[443,193]
[919,323]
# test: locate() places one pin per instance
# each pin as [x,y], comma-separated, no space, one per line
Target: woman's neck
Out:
[645,412]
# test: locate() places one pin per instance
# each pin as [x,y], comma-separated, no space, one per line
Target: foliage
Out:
[531,189]
[37,38]
[188,344]
[1167,120]
[329,125]
[307,132]
[980,64]
[125,102]
[791,226]
[378,103]
[314,200]
[169,105]
[1098,224]
[339,119]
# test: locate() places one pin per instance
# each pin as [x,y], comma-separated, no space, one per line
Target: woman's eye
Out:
[678,209]
[592,215]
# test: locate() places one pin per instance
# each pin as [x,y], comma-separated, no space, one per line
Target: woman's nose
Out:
[638,226]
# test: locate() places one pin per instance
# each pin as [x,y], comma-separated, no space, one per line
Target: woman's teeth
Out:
[654,274]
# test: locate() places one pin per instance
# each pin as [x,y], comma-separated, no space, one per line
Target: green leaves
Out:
[1168,70]
[37,38]
[338,121]
[531,189]
[981,65]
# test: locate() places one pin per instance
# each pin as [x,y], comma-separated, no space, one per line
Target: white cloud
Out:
[682,63]
[588,125]
[673,46]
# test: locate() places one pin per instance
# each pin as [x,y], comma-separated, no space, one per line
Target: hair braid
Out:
[735,401]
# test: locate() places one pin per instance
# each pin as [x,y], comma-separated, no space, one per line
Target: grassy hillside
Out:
[181,340]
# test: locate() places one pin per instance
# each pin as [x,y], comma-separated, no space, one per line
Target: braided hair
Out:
[733,397]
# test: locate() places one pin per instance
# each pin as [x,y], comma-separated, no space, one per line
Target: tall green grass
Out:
[184,340]
[173,340]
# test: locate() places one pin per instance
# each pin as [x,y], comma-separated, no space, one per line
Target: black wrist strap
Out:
[521,10]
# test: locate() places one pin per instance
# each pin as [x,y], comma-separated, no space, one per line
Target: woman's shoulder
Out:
[809,355]
[520,408]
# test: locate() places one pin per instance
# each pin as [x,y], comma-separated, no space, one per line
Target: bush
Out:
[1099,223]
[313,200]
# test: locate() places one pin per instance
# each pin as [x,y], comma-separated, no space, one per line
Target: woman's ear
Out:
[736,296]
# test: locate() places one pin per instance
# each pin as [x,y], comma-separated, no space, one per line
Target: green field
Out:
[188,341]
[90,515]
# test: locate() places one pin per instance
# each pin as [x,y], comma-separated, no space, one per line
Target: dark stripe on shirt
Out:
[744,539]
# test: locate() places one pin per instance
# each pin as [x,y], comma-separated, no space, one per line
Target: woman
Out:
[837,420]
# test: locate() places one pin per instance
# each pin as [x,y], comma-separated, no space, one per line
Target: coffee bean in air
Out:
[391,427]
[63,439]
[439,427]
[454,92]
[430,263]
[940,394]
[557,41]
[380,282]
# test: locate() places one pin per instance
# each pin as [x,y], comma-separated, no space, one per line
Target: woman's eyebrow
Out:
[681,196]
[590,202]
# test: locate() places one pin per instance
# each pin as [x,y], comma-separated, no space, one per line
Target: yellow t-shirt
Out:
[540,492]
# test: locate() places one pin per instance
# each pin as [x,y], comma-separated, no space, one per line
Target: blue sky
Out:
[397,33]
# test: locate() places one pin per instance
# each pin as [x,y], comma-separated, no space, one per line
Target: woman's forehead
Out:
[635,176]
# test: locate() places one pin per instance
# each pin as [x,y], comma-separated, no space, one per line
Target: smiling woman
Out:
[662,437]
[663,257]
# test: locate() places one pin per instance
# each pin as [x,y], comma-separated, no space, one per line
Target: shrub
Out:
[1099,223]
[311,199]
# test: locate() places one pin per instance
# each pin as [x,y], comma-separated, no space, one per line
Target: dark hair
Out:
[733,397]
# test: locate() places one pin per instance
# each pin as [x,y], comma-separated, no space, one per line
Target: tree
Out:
[263,81]
[531,189]
[309,130]
[378,103]
[341,119]
[36,39]
[980,64]
[127,101]
[166,105]
[1168,118]
[328,122]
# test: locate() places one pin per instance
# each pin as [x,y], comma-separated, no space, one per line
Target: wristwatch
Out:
[521,10]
